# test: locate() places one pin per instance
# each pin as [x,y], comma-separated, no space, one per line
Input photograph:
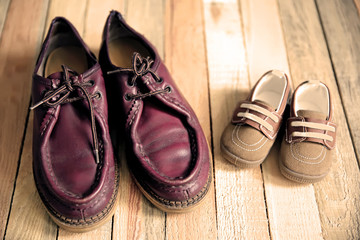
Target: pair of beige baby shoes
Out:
[305,154]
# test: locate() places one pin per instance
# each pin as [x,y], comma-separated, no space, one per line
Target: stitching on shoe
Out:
[89,220]
[247,149]
[180,204]
[297,152]
[133,115]
[311,163]
[238,126]
[50,116]
[238,159]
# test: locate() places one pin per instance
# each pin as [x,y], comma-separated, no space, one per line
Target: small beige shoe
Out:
[248,138]
[305,154]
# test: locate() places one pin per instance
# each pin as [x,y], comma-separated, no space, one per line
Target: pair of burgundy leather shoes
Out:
[75,98]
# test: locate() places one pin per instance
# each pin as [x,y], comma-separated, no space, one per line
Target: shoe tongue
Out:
[264,103]
[311,114]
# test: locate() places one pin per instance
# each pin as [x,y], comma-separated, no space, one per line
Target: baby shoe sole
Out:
[239,161]
[299,177]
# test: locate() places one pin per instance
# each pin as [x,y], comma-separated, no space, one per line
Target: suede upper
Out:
[245,141]
[307,159]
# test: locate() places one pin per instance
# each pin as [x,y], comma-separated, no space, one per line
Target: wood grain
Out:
[95,17]
[4,5]
[136,217]
[215,50]
[241,211]
[186,60]
[292,208]
[338,194]
[22,34]
[148,16]
[28,218]
[341,24]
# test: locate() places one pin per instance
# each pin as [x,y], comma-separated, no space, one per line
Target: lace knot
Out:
[140,67]
[60,95]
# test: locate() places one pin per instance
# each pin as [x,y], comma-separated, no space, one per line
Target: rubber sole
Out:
[239,161]
[299,177]
[91,227]
[178,205]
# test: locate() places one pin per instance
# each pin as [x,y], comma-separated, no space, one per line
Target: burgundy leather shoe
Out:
[73,161]
[167,152]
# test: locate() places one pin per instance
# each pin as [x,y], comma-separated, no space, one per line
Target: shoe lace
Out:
[60,95]
[317,126]
[140,67]
[257,119]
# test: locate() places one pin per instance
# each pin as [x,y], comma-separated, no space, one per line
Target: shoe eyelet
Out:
[98,95]
[168,89]
[160,80]
[129,83]
[43,92]
[91,82]
[127,97]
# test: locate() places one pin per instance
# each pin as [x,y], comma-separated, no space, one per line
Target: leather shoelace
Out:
[55,97]
[140,67]
[257,119]
[317,126]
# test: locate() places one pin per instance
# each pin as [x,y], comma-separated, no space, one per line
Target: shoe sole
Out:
[237,160]
[62,221]
[299,177]
[170,206]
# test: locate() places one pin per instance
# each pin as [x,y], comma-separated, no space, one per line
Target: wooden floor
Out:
[216,50]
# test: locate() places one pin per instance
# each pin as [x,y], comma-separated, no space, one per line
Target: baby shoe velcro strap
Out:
[259,116]
[301,129]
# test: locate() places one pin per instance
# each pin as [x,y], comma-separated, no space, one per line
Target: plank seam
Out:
[112,226]
[18,165]
[337,84]
[57,232]
[211,145]
[266,208]
[291,80]
[165,232]
[249,84]
[25,128]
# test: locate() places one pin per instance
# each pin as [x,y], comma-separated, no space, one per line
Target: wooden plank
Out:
[341,24]
[292,208]
[338,194]
[75,14]
[4,5]
[21,37]
[136,217]
[28,218]
[148,16]
[241,211]
[95,17]
[185,57]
